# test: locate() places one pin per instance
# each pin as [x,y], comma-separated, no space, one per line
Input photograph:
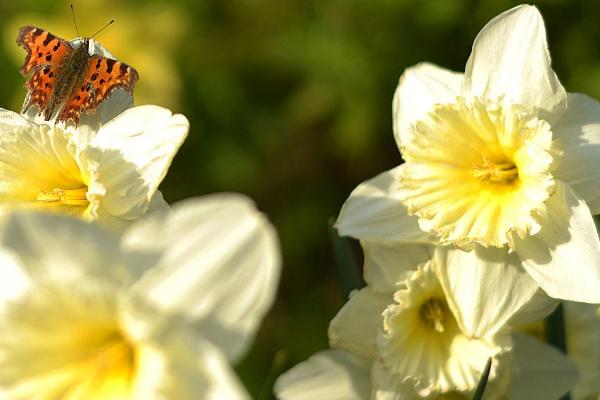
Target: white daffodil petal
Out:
[119,225]
[421,87]
[355,326]
[9,120]
[327,375]
[510,58]
[388,265]
[220,267]
[158,204]
[14,282]
[539,372]
[137,148]
[582,328]
[185,369]
[117,102]
[373,211]
[538,308]
[564,257]
[44,243]
[485,287]
[578,132]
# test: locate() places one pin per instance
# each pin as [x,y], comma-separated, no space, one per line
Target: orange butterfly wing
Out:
[43,48]
[45,53]
[102,77]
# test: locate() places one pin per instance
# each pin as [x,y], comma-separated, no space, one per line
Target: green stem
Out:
[555,333]
[348,269]
[483,381]
[277,366]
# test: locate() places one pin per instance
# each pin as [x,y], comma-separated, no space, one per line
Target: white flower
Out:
[155,314]
[582,328]
[422,342]
[430,336]
[499,156]
[110,175]
[538,373]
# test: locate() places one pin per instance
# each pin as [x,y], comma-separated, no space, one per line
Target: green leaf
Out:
[555,329]
[348,269]
[277,366]
[555,333]
[483,381]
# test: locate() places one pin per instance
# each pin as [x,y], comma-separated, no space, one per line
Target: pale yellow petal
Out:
[510,57]
[327,375]
[564,257]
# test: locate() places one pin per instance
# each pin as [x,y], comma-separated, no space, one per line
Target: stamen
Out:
[433,313]
[116,351]
[502,172]
[71,197]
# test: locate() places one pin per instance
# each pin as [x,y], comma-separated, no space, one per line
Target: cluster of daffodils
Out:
[106,292]
[485,227]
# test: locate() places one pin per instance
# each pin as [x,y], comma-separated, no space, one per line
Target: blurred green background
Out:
[290,103]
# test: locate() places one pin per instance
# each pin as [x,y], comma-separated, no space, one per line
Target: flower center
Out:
[421,341]
[40,168]
[105,369]
[476,171]
[503,172]
[68,342]
[116,354]
[433,313]
[68,197]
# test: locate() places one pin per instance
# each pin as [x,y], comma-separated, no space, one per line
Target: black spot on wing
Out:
[94,76]
[49,57]
[123,68]
[56,46]
[109,65]
[98,63]
[49,37]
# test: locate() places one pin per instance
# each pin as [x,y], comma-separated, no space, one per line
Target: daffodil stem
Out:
[483,380]
[555,329]
[346,264]
[280,360]
[555,333]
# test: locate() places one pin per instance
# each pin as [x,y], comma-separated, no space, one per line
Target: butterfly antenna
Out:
[74,21]
[103,28]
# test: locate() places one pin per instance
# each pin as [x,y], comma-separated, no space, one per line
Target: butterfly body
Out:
[67,81]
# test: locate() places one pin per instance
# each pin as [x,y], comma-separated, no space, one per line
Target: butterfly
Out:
[66,81]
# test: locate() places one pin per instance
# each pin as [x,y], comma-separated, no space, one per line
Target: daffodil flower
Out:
[414,334]
[500,156]
[154,314]
[341,375]
[106,169]
[110,175]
